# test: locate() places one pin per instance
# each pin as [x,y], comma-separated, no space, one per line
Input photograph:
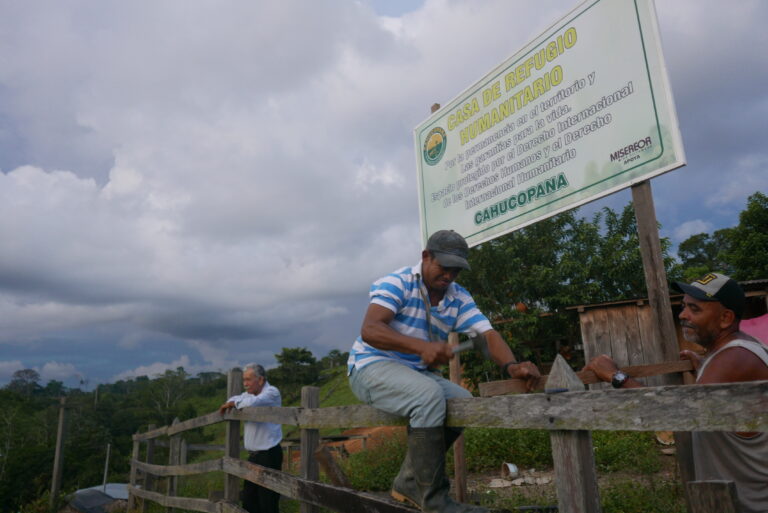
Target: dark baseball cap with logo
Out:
[450,248]
[715,287]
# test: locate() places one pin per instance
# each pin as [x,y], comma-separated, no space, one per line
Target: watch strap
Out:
[618,379]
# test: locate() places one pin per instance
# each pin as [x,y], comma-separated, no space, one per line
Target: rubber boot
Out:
[404,484]
[428,490]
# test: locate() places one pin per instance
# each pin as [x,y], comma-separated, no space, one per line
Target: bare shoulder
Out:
[735,364]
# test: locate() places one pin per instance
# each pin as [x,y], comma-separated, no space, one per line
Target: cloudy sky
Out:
[198,184]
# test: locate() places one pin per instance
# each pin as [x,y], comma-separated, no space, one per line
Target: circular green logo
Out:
[434,146]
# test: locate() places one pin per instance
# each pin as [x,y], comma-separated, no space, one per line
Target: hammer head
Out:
[476,343]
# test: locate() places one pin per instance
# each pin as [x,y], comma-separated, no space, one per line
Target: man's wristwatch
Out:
[618,379]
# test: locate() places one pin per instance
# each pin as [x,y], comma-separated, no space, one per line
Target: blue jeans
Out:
[398,389]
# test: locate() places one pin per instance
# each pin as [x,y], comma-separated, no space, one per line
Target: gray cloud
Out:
[184,182]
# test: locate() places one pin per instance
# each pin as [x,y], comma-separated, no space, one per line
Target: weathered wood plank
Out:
[149,479]
[664,346]
[152,433]
[310,441]
[618,318]
[132,479]
[646,339]
[348,416]
[713,497]
[179,470]
[175,502]
[279,415]
[331,468]
[684,459]
[601,341]
[323,495]
[719,407]
[634,335]
[232,435]
[572,454]
[197,422]
[173,459]
[741,407]
[228,507]
[191,447]
[517,386]
[459,460]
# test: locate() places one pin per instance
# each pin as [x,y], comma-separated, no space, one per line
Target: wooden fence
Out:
[565,409]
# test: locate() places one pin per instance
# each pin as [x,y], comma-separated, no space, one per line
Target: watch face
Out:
[618,379]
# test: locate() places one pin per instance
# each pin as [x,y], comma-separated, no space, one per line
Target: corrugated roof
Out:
[751,288]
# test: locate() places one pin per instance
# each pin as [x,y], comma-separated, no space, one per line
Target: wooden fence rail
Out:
[718,407]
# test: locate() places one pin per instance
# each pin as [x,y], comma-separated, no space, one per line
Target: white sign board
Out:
[582,111]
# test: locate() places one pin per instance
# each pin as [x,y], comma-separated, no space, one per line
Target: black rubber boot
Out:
[404,484]
[425,461]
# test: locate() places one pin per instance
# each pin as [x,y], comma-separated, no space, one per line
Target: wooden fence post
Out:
[572,455]
[132,480]
[58,459]
[173,459]
[149,479]
[332,469]
[663,346]
[713,497]
[232,437]
[106,468]
[310,440]
[183,452]
[459,461]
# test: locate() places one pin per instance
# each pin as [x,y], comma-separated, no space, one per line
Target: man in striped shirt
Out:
[391,365]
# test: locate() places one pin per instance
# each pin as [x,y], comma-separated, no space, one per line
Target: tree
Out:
[24,381]
[702,253]
[524,281]
[297,367]
[748,248]
[334,358]
[54,388]
[166,392]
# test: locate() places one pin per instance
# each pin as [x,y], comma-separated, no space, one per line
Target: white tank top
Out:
[720,455]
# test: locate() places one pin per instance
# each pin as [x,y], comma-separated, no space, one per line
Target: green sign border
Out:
[426,230]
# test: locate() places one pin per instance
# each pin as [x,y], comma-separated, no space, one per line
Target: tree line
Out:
[111,414]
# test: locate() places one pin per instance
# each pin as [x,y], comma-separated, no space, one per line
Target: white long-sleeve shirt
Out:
[260,436]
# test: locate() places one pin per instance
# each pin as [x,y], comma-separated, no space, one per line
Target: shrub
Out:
[375,468]
[626,450]
[655,496]
[488,448]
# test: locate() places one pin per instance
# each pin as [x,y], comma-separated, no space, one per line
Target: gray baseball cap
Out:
[450,249]
[715,287]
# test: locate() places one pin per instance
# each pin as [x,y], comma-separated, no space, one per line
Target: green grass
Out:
[649,495]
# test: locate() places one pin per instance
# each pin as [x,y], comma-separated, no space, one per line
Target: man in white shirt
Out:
[261,439]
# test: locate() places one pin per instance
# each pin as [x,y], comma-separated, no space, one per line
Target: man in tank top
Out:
[712,309]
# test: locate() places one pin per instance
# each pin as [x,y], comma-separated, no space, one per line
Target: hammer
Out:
[477,343]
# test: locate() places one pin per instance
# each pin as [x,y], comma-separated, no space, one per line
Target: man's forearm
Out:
[498,349]
[381,336]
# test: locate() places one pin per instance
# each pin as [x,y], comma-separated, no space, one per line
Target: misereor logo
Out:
[434,146]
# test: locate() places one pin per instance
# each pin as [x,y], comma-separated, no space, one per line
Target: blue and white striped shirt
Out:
[399,292]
